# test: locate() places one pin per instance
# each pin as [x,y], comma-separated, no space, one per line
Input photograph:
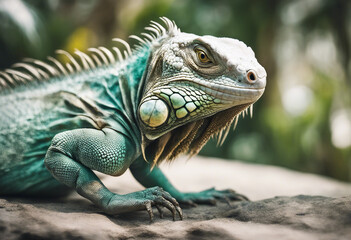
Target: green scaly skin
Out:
[169,97]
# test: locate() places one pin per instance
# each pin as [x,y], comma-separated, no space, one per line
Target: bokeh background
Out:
[302,122]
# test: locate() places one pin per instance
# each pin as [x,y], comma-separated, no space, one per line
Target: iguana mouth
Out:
[226,93]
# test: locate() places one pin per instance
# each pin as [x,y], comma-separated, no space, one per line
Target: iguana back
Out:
[32,114]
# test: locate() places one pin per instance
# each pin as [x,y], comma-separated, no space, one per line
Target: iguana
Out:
[110,110]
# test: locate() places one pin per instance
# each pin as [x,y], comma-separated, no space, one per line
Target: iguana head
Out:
[195,87]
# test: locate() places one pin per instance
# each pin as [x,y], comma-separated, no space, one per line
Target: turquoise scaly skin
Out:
[84,100]
[166,97]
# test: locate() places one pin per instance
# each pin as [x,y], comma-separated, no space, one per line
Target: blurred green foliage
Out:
[300,43]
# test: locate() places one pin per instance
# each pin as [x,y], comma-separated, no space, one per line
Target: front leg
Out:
[148,177]
[74,154]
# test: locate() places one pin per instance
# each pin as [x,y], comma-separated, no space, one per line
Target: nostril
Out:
[251,76]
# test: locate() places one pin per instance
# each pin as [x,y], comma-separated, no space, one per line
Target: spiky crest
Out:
[35,70]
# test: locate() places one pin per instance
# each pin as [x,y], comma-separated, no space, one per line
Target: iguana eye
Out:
[202,56]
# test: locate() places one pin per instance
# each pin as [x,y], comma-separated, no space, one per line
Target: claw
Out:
[160,211]
[180,212]
[206,200]
[242,198]
[239,197]
[234,195]
[175,203]
[164,202]
[149,210]
[226,197]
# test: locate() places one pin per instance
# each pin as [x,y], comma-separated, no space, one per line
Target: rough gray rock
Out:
[290,217]
[309,213]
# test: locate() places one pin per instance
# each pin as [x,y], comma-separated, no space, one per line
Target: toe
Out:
[149,210]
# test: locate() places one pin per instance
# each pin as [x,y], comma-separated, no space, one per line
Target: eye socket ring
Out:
[203,61]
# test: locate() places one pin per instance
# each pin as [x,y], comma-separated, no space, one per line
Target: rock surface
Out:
[313,207]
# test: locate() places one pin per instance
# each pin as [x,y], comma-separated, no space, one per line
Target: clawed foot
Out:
[210,196]
[145,200]
[157,197]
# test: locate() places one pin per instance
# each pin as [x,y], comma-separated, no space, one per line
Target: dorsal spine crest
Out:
[36,70]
